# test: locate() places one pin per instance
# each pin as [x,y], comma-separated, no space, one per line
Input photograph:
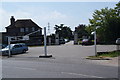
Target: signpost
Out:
[9,52]
[25,37]
[15,38]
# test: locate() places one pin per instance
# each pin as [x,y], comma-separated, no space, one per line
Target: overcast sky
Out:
[69,13]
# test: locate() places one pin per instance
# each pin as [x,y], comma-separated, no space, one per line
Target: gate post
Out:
[57,39]
[75,38]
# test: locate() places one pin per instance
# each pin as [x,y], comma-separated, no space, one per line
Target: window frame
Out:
[33,28]
[27,29]
[22,30]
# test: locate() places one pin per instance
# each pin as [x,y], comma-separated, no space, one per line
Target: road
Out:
[68,61]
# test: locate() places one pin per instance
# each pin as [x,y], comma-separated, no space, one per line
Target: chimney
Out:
[12,21]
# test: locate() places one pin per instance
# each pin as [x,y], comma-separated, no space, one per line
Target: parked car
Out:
[15,49]
[66,40]
[62,41]
[87,42]
[118,41]
[2,46]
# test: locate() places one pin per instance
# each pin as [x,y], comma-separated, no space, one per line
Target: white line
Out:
[82,75]
[23,68]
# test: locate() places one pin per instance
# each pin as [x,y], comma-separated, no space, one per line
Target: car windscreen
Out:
[10,46]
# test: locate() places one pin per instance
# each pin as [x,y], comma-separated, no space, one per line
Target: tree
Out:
[58,28]
[109,21]
[63,31]
[117,8]
[81,30]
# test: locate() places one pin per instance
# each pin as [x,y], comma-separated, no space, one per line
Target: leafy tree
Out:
[117,8]
[63,31]
[58,28]
[109,21]
[66,32]
[81,31]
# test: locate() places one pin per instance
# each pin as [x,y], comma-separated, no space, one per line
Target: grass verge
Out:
[109,54]
[104,55]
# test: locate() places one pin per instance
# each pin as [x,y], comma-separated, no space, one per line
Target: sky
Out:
[69,13]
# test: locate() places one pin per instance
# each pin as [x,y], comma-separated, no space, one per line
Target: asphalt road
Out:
[68,61]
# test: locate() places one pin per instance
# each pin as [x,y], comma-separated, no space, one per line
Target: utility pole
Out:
[48,28]
[49,37]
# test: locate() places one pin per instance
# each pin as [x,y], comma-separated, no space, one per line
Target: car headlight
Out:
[6,51]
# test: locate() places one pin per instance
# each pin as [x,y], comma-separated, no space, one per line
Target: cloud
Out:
[55,15]
[39,17]
[3,19]
[21,14]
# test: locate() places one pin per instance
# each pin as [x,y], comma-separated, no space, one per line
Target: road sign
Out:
[25,37]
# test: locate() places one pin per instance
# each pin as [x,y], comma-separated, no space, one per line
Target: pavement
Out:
[111,62]
[68,61]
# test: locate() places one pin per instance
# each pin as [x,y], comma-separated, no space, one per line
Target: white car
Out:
[15,49]
[118,41]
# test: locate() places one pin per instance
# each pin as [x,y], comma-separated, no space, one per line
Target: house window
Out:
[33,29]
[26,29]
[21,29]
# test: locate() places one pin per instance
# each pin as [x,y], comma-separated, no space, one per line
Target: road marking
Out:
[23,68]
[81,75]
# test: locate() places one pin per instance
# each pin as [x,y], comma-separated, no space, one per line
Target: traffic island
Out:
[45,56]
[104,55]
[97,58]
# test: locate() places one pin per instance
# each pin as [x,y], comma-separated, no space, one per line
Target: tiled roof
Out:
[25,23]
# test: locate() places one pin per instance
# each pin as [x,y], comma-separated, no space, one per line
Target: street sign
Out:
[25,37]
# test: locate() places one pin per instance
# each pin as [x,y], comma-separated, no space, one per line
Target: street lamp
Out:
[95,39]
[45,46]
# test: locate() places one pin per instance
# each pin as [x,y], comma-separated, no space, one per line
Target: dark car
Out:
[87,42]
[2,46]
[62,41]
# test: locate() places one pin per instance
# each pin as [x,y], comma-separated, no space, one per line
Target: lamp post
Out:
[95,39]
[95,42]
[45,47]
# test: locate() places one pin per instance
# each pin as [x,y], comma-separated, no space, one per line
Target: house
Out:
[22,27]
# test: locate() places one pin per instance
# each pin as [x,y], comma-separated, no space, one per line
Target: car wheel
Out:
[24,51]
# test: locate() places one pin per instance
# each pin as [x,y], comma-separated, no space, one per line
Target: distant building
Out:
[23,27]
